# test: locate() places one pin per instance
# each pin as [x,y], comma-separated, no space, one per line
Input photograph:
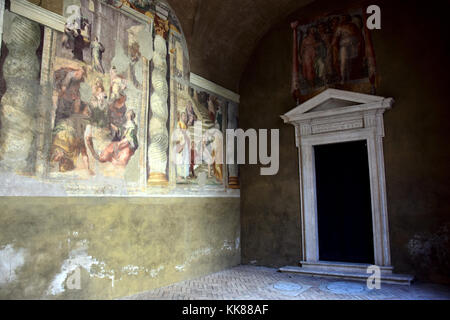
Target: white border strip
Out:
[2,12]
[203,83]
[38,14]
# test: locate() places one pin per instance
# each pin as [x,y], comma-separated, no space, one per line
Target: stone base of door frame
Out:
[347,271]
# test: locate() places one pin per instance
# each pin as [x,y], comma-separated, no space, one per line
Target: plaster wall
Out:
[411,51]
[117,246]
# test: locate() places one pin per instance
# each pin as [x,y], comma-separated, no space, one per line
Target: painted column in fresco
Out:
[44,119]
[17,116]
[158,133]
[173,102]
[233,169]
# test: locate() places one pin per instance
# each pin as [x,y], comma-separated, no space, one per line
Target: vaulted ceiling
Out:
[222,34]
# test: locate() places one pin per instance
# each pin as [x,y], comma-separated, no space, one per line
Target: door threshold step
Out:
[392,278]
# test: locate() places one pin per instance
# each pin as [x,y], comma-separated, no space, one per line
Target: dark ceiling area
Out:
[222,34]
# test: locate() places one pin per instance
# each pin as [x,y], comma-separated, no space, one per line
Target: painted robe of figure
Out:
[72,116]
[308,56]
[97,50]
[120,152]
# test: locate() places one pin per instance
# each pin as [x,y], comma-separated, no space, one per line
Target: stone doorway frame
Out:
[336,116]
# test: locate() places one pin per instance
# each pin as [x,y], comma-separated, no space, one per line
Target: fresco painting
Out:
[200,143]
[97,94]
[335,51]
[107,91]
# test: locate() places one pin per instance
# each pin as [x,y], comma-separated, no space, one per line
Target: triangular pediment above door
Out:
[328,100]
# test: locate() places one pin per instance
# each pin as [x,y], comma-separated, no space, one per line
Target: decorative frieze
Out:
[337,126]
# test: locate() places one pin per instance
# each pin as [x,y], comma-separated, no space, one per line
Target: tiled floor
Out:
[260,283]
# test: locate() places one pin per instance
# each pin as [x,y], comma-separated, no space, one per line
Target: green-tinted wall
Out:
[141,243]
[412,59]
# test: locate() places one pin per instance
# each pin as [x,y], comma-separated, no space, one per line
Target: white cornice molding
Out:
[210,86]
[56,21]
[2,12]
[364,103]
[38,14]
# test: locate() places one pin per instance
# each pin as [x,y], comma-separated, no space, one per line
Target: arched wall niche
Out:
[109,108]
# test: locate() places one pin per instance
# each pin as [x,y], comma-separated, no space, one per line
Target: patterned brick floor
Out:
[260,283]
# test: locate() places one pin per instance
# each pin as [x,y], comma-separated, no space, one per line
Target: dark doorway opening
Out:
[344,203]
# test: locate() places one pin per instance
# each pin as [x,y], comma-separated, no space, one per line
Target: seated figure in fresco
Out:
[120,152]
[68,139]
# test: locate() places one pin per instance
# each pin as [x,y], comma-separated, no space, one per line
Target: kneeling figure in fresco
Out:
[120,152]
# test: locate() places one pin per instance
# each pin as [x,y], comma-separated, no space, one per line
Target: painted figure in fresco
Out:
[308,56]
[78,45]
[348,39]
[68,39]
[99,95]
[71,119]
[217,157]
[99,104]
[120,152]
[190,114]
[117,84]
[213,154]
[324,64]
[334,23]
[116,116]
[211,108]
[207,152]
[218,118]
[135,57]
[97,50]
[194,155]
[68,139]
[182,146]
[67,83]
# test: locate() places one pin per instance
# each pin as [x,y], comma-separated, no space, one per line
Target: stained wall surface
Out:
[118,246]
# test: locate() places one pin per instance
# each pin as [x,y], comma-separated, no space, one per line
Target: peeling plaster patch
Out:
[131,270]
[237,243]
[10,261]
[154,272]
[78,258]
[180,267]
[197,254]
[227,245]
